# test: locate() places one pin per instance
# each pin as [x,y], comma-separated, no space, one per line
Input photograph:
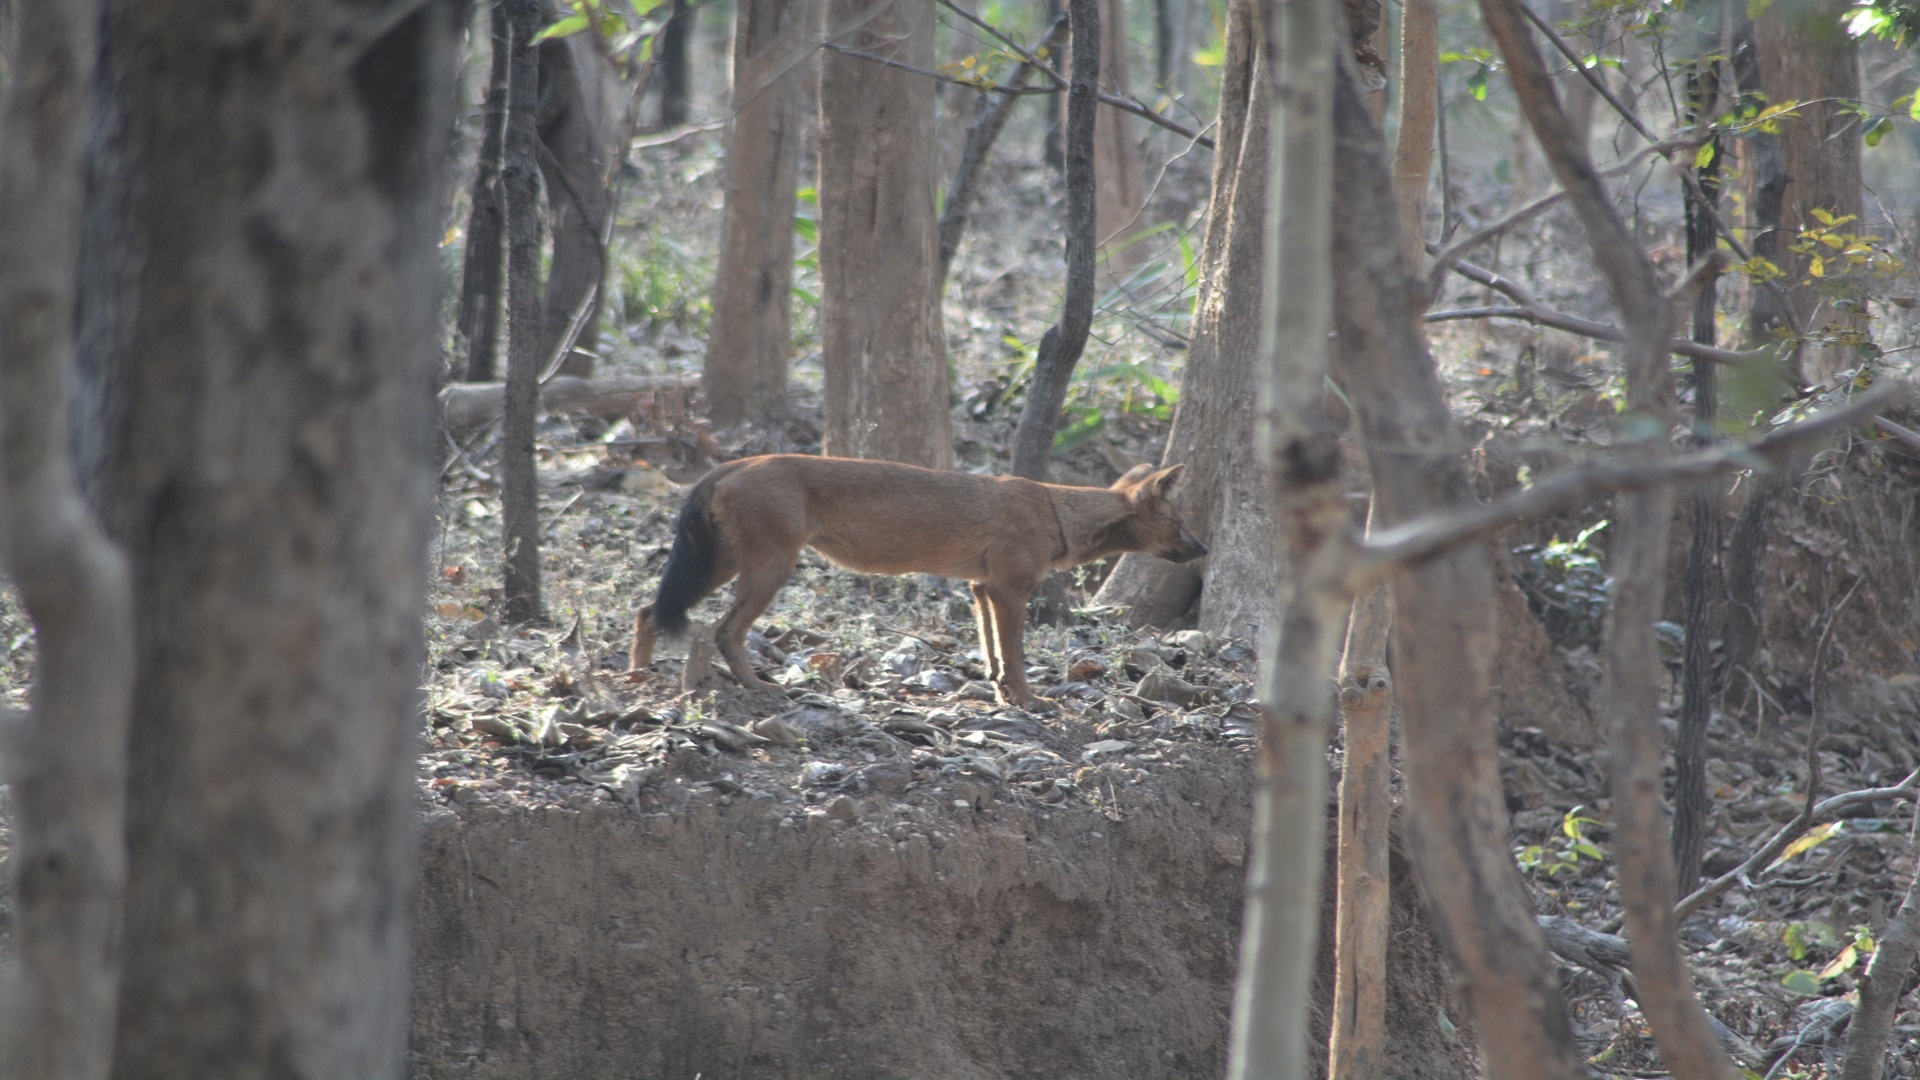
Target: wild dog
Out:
[750,518]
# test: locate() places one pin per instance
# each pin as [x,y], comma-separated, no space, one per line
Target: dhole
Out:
[750,518]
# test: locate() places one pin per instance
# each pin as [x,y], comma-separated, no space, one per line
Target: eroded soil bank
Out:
[950,930]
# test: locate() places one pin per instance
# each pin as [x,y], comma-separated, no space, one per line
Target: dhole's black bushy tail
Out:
[688,577]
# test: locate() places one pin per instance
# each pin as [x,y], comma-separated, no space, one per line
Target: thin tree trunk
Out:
[1419,110]
[675,68]
[520,182]
[1119,195]
[1063,342]
[1637,556]
[1303,463]
[259,321]
[484,261]
[66,766]
[1444,641]
[884,349]
[990,115]
[745,373]
[1885,981]
[1701,585]
[575,173]
[1358,1043]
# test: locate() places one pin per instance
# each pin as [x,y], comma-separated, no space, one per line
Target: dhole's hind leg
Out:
[645,634]
[753,592]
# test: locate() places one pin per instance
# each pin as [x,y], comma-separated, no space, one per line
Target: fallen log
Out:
[467,407]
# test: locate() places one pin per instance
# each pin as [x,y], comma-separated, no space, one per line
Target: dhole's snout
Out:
[1187,550]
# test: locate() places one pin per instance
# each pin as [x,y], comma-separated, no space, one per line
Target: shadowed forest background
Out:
[1543,369]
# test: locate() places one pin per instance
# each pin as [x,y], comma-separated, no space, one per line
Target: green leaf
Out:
[1703,157]
[1805,983]
[806,229]
[565,27]
[1477,84]
[1878,131]
[1847,958]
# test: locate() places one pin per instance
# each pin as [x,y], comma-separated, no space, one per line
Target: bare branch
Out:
[1420,540]
[1531,310]
[1757,863]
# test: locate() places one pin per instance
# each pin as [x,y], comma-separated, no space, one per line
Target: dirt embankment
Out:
[950,930]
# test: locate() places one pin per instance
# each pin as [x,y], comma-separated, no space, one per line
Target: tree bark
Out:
[1061,346]
[675,69]
[1119,196]
[1885,981]
[1702,589]
[519,182]
[1806,56]
[1419,111]
[1637,556]
[1444,633]
[1210,424]
[66,764]
[1303,464]
[258,311]
[884,349]
[484,261]
[574,169]
[1358,1043]
[745,374]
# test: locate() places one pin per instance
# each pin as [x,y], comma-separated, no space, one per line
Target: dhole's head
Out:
[1155,527]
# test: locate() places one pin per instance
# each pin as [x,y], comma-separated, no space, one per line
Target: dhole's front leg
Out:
[645,633]
[1002,613]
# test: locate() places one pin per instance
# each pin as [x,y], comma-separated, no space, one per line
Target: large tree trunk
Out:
[1444,629]
[745,374]
[259,317]
[575,170]
[66,765]
[884,349]
[1805,55]
[519,182]
[1211,430]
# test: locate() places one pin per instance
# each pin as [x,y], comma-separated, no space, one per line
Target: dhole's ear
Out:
[1162,482]
[1131,478]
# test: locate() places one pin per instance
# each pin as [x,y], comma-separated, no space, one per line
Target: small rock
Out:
[1198,642]
[1165,686]
[1104,746]
[1087,667]
[975,690]
[842,808]
[887,777]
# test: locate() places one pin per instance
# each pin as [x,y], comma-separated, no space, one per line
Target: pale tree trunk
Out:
[1805,55]
[1061,346]
[745,374]
[1637,556]
[1358,1044]
[1303,462]
[66,764]
[259,314]
[485,257]
[1419,113]
[1444,630]
[884,351]
[575,171]
[1116,153]
[1210,421]
[520,183]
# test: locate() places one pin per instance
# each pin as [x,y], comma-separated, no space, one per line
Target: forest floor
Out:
[886,702]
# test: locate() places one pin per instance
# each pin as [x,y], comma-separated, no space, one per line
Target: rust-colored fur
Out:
[750,518]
